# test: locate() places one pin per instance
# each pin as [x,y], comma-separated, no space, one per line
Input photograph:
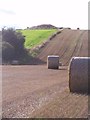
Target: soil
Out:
[35,91]
[66,44]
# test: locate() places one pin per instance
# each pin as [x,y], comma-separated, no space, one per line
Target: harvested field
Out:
[35,91]
[67,44]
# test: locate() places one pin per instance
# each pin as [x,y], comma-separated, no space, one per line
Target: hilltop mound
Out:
[43,26]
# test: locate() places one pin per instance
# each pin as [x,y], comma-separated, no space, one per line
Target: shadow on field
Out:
[33,61]
[27,60]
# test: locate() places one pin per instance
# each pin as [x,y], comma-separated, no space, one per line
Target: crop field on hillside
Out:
[36,37]
[67,44]
[34,91]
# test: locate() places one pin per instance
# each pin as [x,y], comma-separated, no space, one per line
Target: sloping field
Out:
[66,44]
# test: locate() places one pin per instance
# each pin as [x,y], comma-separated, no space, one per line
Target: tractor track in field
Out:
[75,48]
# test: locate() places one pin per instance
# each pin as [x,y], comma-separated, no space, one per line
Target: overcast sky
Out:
[27,13]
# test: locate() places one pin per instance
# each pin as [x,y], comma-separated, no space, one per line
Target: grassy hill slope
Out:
[36,37]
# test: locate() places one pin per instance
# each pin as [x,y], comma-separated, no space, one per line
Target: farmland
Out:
[67,44]
[36,37]
[37,92]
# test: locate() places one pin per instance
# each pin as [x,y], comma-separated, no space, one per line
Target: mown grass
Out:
[36,37]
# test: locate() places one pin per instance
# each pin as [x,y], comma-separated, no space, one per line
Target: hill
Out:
[43,26]
[66,44]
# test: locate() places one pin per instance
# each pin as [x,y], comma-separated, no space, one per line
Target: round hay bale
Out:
[53,62]
[78,74]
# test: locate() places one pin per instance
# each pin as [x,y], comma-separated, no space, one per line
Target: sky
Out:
[28,13]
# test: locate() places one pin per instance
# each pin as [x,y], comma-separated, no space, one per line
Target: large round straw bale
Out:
[53,62]
[78,74]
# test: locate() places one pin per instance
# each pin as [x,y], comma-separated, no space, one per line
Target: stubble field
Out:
[35,91]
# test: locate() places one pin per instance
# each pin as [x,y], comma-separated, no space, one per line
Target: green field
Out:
[36,37]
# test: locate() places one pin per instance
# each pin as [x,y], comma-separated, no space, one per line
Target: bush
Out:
[13,44]
[14,38]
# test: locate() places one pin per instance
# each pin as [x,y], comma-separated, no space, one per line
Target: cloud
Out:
[10,12]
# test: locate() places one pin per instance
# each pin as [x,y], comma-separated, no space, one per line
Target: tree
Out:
[14,41]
